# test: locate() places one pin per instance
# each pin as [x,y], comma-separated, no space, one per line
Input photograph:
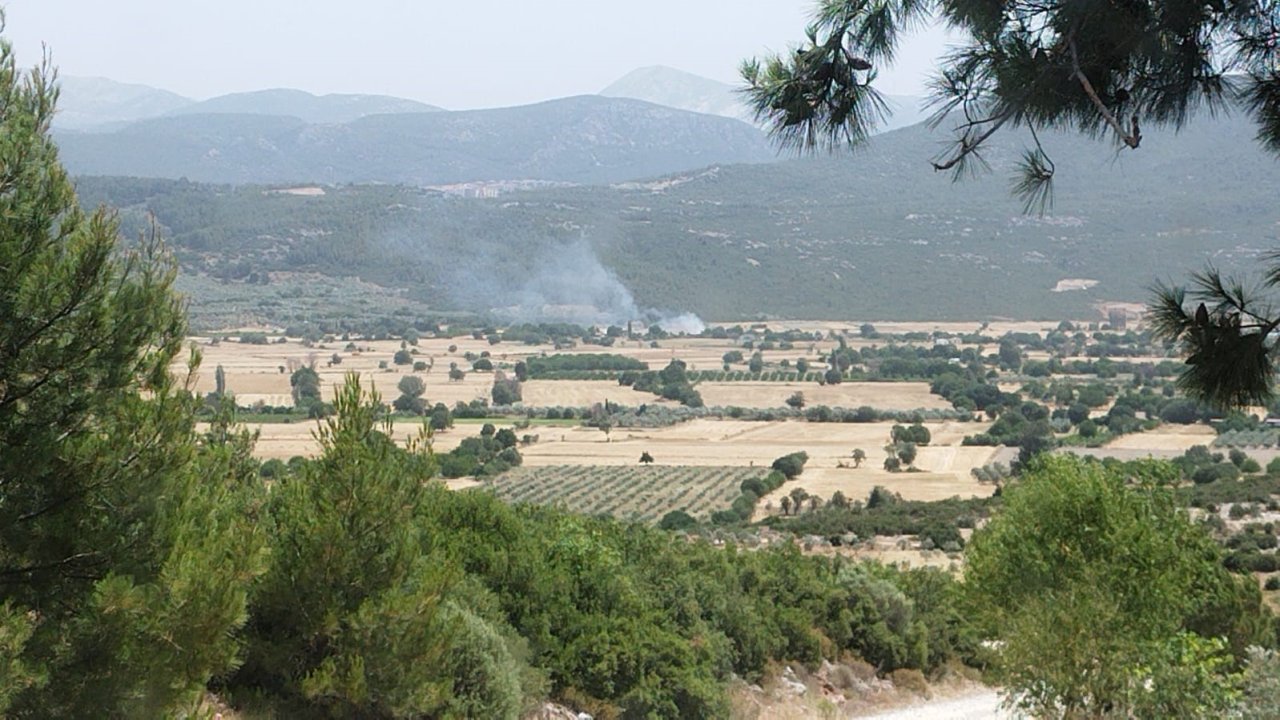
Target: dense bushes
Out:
[506,391]
[791,465]
[886,513]
[968,393]
[482,456]
[553,366]
[744,506]
[914,433]
[672,383]
[1106,598]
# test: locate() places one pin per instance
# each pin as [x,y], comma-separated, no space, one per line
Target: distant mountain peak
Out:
[90,102]
[676,88]
[333,108]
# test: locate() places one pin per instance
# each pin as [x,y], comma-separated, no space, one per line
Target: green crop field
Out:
[633,493]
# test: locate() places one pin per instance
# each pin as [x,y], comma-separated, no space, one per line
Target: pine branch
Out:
[1132,138]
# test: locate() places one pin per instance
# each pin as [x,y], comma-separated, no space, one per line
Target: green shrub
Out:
[484,675]
[1214,473]
[791,465]
[677,520]
[358,591]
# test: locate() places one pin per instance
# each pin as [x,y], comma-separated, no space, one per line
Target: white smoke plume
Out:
[570,284]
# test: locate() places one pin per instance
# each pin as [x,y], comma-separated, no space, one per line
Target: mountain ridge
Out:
[330,108]
[583,139]
[89,102]
[875,233]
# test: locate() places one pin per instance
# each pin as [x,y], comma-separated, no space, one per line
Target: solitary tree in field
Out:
[786,505]
[411,390]
[646,458]
[305,384]
[796,400]
[858,456]
[219,383]
[1098,67]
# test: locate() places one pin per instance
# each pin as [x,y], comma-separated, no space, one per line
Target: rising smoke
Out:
[568,283]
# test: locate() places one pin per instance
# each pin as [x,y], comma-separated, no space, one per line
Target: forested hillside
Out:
[877,234]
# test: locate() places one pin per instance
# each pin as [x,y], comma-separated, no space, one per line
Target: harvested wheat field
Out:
[885,395]
[1165,437]
[585,393]
[705,442]
[851,327]
[946,468]
[285,440]
[261,372]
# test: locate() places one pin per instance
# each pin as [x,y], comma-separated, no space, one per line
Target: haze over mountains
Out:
[874,234]
[660,201]
[86,103]
[103,105]
[653,121]
[587,139]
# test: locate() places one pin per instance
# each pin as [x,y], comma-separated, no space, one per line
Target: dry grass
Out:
[885,395]
[285,440]
[1165,437]
[253,373]
[585,393]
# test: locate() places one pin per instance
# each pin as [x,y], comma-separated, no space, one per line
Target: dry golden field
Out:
[883,395]
[285,440]
[1166,437]
[260,373]
[585,393]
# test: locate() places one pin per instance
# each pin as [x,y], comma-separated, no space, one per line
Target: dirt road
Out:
[983,705]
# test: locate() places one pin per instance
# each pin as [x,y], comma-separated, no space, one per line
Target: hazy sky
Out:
[473,53]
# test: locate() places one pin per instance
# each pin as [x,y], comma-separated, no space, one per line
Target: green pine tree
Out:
[126,544]
[346,622]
